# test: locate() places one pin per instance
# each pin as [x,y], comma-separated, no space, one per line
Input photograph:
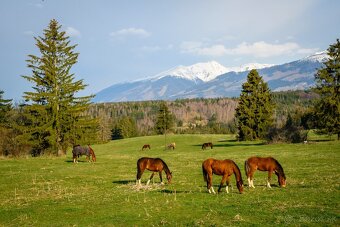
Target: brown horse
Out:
[205,145]
[172,145]
[85,150]
[146,146]
[264,164]
[154,165]
[221,167]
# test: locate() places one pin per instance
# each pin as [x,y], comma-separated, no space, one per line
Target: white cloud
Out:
[257,49]
[72,32]
[131,32]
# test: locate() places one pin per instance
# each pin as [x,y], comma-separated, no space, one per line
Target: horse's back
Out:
[262,163]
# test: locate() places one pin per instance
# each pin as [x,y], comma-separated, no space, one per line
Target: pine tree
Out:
[327,108]
[5,108]
[55,112]
[255,108]
[165,119]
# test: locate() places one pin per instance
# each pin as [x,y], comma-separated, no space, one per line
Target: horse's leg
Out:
[153,173]
[139,176]
[251,179]
[224,178]
[209,184]
[269,178]
[160,177]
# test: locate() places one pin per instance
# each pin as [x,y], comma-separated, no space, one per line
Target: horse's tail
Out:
[246,167]
[92,154]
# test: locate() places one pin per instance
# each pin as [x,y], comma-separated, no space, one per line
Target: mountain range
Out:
[212,80]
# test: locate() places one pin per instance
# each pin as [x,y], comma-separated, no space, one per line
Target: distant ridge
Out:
[211,80]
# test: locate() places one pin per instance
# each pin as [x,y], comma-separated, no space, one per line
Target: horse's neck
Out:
[237,173]
[166,169]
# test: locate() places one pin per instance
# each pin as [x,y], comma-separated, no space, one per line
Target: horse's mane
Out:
[237,171]
[280,169]
[166,168]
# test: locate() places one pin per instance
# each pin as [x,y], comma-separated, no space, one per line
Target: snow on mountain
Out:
[317,57]
[248,67]
[211,79]
[206,71]
[203,71]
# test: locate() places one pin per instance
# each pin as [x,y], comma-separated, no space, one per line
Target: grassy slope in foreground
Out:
[49,191]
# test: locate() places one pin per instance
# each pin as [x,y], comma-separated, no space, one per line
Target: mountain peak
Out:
[321,56]
[205,71]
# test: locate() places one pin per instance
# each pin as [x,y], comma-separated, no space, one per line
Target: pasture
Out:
[53,191]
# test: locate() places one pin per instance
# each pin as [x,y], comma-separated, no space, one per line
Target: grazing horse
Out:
[85,150]
[221,167]
[154,165]
[146,146]
[205,145]
[264,164]
[172,145]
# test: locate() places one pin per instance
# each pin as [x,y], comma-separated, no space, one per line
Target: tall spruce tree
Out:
[255,108]
[55,112]
[165,120]
[327,108]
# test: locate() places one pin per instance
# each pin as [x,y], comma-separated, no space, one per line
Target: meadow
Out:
[53,191]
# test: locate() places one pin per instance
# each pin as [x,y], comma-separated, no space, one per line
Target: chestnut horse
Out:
[146,146]
[221,167]
[205,145]
[154,165]
[264,164]
[86,150]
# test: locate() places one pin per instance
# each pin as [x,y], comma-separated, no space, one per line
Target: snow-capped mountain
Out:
[211,79]
[201,71]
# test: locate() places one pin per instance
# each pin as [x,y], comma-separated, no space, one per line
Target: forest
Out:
[196,116]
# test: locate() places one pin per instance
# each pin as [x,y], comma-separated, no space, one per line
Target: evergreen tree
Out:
[5,108]
[255,108]
[54,110]
[165,120]
[327,108]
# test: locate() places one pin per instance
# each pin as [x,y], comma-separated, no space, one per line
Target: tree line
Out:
[54,117]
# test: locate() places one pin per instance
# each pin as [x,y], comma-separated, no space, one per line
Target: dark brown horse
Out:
[264,164]
[223,168]
[205,145]
[146,146]
[154,165]
[83,150]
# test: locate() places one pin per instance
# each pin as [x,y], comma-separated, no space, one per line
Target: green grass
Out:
[50,191]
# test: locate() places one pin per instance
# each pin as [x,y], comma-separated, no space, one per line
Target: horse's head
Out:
[240,186]
[282,181]
[169,177]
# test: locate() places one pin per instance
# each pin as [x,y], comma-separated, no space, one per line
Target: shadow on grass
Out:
[80,161]
[233,145]
[123,181]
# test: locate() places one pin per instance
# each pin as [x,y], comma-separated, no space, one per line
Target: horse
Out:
[205,145]
[85,150]
[172,145]
[146,146]
[154,165]
[223,168]
[264,164]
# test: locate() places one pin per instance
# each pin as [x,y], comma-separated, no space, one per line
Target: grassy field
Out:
[51,191]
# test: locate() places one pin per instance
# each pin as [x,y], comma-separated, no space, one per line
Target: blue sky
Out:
[126,40]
